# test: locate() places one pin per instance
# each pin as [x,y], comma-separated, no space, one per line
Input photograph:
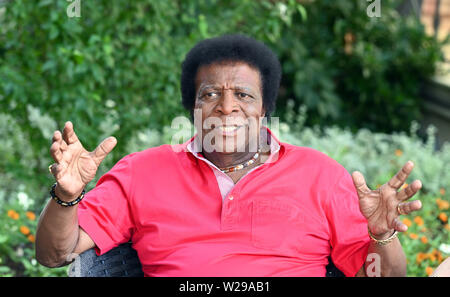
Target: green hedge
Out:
[115,71]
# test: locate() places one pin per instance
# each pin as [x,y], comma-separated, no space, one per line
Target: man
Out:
[231,201]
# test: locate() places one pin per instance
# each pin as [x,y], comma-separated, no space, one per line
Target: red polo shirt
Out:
[282,219]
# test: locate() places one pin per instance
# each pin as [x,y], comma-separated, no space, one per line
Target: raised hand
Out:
[75,167]
[383,206]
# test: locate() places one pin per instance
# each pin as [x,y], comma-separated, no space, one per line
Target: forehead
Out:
[228,75]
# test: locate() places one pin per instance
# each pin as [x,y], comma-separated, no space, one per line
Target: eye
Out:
[211,95]
[243,95]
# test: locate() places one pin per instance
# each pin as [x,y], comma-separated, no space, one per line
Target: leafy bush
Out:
[115,71]
[17,237]
[356,71]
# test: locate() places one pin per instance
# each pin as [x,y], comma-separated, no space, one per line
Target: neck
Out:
[223,160]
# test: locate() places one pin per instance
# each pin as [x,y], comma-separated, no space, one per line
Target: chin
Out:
[229,147]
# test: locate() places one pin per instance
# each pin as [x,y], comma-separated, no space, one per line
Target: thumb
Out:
[104,148]
[359,182]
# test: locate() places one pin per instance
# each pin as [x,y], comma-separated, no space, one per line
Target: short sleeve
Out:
[104,213]
[348,227]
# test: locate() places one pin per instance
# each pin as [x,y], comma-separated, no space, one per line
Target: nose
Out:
[228,103]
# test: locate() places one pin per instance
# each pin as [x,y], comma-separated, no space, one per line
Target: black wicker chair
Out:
[123,261]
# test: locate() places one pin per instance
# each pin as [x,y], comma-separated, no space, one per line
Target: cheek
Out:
[201,108]
[204,111]
[253,110]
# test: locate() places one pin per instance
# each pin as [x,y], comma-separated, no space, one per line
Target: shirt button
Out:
[230,197]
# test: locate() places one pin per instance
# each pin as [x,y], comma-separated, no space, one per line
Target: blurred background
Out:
[366,82]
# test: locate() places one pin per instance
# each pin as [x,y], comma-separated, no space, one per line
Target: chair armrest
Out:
[121,261]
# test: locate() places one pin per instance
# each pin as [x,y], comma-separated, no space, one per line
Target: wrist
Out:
[384,238]
[64,196]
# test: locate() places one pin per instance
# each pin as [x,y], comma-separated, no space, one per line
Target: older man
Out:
[231,201]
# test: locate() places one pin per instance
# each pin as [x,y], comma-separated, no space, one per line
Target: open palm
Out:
[75,167]
[383,206]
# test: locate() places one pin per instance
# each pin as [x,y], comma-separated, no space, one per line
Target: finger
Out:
[57,137]
[408,207]
[69,135]
[55,152]
[399,225]
[63,145]
[360,183]
[104,148]
[399,179]
[57,170]
[409,191]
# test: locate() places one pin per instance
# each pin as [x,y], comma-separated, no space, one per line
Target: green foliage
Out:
[356,71]
[115,71]
[17,236]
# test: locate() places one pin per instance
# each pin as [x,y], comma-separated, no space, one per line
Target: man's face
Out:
[229,100]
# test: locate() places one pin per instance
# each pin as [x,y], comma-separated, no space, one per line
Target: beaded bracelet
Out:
[63,203]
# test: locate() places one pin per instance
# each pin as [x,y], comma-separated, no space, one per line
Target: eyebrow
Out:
[202,88]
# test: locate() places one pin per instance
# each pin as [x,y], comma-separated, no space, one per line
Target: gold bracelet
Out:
[384,241]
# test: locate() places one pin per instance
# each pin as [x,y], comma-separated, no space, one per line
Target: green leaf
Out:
[301,9]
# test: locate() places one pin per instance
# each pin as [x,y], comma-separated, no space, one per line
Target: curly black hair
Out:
[232,48]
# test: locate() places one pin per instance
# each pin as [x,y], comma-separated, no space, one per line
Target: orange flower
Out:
[13,214]
[407,222]
[439,257]
[30,215]
[424,239]
[443,217]
[420,257]
[442,204]
[442,191]
[413,236]
[398,153]
[432,257]
[24,230]
[428,270]
[404,186]
[31,238]
[418,220]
